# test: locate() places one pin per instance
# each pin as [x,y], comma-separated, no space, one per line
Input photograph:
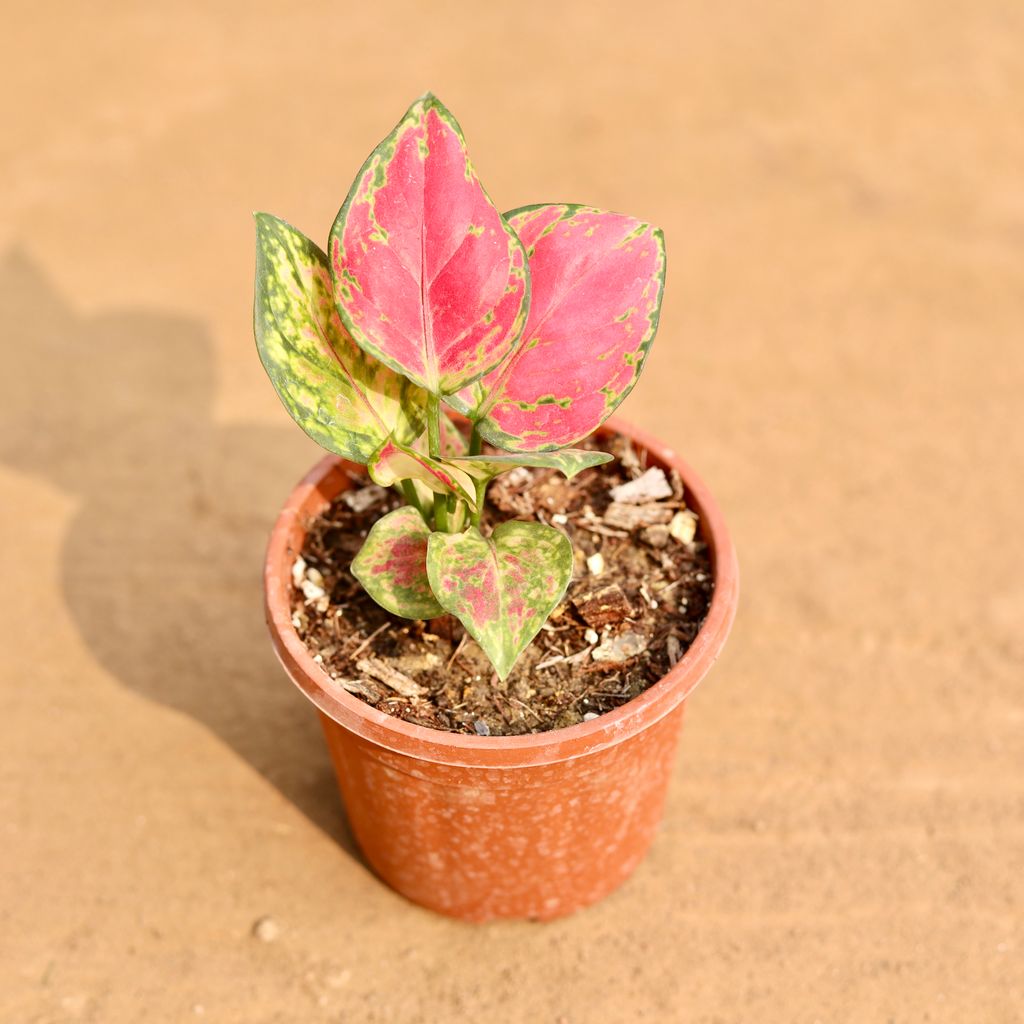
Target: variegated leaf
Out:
[392,565]
[428,276]
[597,280]
[393,462]
[346,400]
[503,587]
[569,462]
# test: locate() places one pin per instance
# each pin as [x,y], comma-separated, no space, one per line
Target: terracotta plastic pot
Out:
[483,827]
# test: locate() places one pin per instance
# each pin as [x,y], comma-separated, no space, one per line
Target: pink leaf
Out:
[597,280]
[428,276]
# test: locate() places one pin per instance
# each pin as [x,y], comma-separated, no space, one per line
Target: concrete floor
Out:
[842,190]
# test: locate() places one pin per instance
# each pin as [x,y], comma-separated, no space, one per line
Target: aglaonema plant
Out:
[533,325]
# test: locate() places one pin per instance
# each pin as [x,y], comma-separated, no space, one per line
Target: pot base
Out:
[484,843]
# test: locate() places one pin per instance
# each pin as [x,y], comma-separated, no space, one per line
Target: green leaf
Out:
[346,400]
[391,565]
[568,462]
[392,462]
[503,587]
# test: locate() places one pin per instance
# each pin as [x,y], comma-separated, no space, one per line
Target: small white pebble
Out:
[595,563]
[266,929]
[683,527]
[591,636]
[560,518]
[311,591]
[298,571]
[590,716]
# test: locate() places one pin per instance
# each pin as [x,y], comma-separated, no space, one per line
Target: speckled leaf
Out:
[568,462]
[597,280]
[347,401]
[503,587]
[428,276]
[393,462]
[392,565]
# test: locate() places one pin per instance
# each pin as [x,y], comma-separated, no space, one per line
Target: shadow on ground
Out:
[161,566]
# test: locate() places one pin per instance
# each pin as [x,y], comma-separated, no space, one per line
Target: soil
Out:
[640,591]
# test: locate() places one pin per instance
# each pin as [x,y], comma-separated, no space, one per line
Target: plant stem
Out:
[409,492]
[440,513]
[476,442]
[481,493]
[434,426]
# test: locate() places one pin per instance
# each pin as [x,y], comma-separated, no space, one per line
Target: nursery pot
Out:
[482,827]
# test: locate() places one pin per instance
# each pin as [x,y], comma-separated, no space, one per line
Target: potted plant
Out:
[457,363]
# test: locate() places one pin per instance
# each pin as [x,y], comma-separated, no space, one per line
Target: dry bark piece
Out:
[651,486]
[677,485]
[603,605]
[361,688]
[592,524]
[363,498]
[673,649]
[626,454]
[619,649]
[624,516]
[390,677]
[657,536]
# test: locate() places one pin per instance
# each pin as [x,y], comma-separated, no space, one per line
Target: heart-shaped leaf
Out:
[428,276]
[347,401]
[392,565]
[393,462]
[597,280]
[502,587]
[568,462]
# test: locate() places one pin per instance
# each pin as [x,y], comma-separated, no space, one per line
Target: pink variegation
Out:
[502,587]
[392,565]
[597,281]
[428,276]
[393,462]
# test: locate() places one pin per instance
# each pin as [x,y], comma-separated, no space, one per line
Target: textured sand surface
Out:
[842,190]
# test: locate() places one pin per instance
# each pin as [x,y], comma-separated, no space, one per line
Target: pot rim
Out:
[328,478]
